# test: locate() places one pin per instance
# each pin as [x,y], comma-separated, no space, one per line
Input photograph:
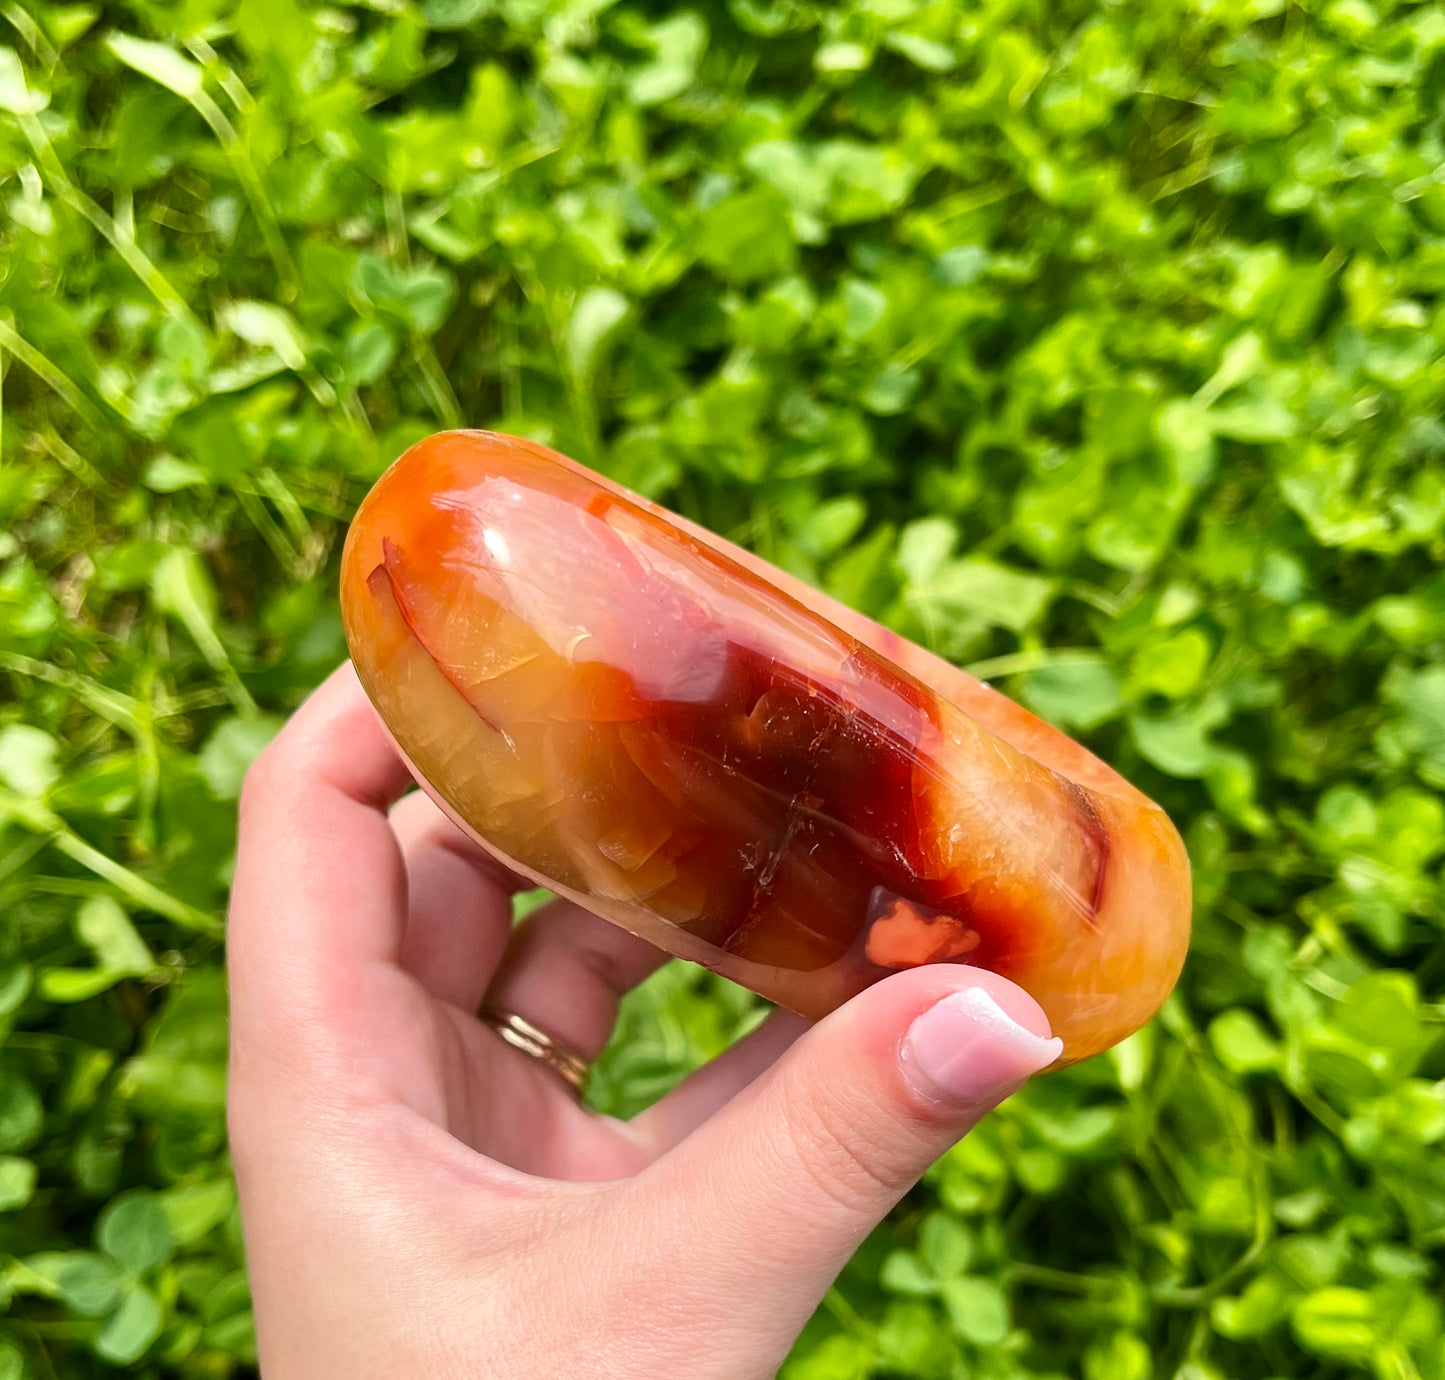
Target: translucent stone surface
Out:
[727,763]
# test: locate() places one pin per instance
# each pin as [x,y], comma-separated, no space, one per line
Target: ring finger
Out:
[566,972]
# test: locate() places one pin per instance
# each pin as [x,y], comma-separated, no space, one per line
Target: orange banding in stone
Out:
[903,936]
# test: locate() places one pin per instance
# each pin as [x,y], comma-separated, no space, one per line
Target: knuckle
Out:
[260,783]
[244,1124]
[283,1099]
[836,1151]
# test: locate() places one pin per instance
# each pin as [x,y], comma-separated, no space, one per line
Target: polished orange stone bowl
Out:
[711,754]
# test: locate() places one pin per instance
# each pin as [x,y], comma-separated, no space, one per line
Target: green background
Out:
[1099,344]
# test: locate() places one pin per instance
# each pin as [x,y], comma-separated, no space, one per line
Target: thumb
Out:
[792,1174]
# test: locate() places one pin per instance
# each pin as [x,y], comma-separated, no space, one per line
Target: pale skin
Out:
[420,1199]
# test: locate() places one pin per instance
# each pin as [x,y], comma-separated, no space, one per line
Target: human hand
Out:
[420,1199]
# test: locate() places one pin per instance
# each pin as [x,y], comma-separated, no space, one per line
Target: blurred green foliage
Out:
[1099,344]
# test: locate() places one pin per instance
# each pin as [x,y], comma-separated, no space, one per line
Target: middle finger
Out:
[459,904]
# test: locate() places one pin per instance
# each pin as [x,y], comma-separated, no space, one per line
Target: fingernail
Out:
[967,1048]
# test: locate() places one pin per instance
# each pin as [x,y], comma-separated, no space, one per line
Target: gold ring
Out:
[522,1034]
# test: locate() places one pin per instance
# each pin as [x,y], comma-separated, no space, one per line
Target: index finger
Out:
[320,887]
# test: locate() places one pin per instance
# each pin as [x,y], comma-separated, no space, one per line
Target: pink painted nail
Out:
[967,1048]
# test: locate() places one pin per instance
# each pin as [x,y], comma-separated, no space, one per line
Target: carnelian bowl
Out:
[711,754]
